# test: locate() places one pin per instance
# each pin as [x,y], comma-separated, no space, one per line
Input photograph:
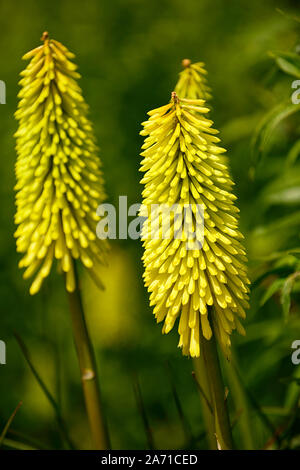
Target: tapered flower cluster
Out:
[204,285]
[59,181]
[192,83]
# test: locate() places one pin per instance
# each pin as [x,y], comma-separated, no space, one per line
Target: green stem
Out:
[241,404]
[213,370]
[88,370]
[206,400]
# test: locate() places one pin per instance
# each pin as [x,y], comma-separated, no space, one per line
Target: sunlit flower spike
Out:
[184,165]
[192,83]
[59,181]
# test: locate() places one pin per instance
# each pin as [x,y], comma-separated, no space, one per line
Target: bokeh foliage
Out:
[129,54]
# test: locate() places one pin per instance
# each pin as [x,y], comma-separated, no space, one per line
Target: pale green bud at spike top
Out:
[192,83]
[59,181]
[184,165]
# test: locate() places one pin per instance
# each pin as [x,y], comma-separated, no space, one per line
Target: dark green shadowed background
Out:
[129,54]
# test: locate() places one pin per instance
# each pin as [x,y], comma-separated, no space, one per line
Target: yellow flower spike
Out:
[59,180]
[192,84]
[183,165]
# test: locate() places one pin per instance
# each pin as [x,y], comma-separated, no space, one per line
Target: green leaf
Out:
[284,190]
[293,154]
[265,130]
[288,380]
[288,62]
[283,223]
[286,293]
[279,255]
[296,252]
[274,287]
[286,298]
[276,410]
[289,261]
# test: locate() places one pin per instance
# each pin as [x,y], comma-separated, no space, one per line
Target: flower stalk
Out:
[206,400]
[222,428]
[192,84]
[88,370]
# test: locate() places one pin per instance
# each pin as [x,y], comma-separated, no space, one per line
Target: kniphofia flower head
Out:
[59,180]
[204,287]
[192,83]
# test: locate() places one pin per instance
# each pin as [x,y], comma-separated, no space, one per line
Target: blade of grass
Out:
[10,420]
[241,402]
[60,421]
[17,445]
[282,430]
[142,410]
[184,422]
[276,411]
[252,400]
[26,440]
[202,393]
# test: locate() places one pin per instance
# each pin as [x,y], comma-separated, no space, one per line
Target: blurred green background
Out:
[129,54]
